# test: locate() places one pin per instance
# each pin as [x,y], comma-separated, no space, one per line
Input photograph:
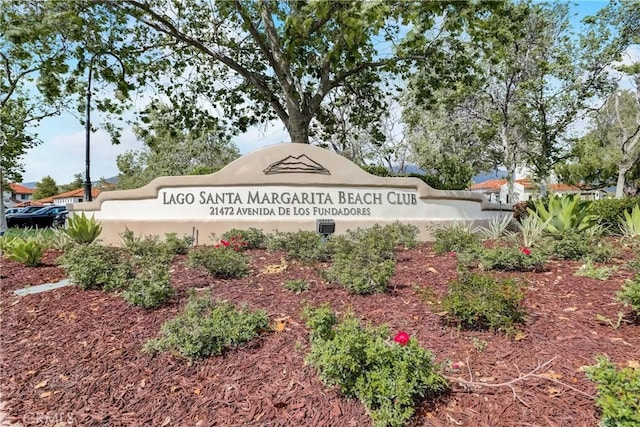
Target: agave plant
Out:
[27,251]
[564,214]
[83,230]
[630,224]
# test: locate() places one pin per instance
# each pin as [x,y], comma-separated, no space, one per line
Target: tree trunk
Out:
[298,127]
[3,216]
[620,184]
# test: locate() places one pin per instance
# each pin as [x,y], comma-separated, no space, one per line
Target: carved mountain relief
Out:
[299,164]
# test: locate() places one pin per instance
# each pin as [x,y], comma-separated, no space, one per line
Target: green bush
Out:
[150,288]
[362,361]
[304,246]
[296,285]
[177,245]
[578,246]
[630,223]
[478,301]
[454,239]
[27,251]
[564,214]
[589,270]
[83,230]
[222,262]
[364,259]
[609,211]
[618,391]
[207,327]
[511,259]
[147,248]
[253,237]
[96,266]
[401,234]
[629,294]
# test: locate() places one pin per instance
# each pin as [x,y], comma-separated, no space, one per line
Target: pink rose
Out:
[402,338]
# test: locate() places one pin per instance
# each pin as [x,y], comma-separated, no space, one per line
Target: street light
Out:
[87,178]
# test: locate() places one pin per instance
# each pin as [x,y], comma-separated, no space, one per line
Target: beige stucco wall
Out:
[282,187]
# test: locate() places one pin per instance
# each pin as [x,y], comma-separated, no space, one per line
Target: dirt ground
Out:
[72,357]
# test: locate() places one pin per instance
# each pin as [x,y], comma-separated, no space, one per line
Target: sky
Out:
[62,153]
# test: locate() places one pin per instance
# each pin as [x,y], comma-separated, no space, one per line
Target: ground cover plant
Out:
[77,353]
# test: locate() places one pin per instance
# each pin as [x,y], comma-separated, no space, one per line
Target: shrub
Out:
[576,246]
[296,285]
[589,270]
[563,214]
[629,294]
[27,251]
[304,246]
[478,301]
[150,288]
[364,259]
[363,362]
[222,262]
[454,239]
[401,234]
[207,327]
[618,391]
[83,230]
[511,259]
[254,237]
[609,211]
[496,228]
[96,266]
[177,245]
[630,224]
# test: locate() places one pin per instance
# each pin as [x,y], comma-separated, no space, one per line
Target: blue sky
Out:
[62,153]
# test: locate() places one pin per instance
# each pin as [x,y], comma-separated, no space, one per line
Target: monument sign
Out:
[285,187]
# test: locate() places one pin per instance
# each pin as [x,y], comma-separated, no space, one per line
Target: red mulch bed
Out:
[74,355]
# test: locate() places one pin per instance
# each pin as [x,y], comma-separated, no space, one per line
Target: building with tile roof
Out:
[496,190]
[16,194]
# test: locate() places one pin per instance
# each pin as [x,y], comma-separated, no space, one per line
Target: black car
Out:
[40,218]
[60,219]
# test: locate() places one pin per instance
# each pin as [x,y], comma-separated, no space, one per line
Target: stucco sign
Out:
[283,187]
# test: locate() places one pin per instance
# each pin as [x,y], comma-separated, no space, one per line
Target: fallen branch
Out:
[472,385]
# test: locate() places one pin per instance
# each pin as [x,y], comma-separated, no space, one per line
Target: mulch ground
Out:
[72,357]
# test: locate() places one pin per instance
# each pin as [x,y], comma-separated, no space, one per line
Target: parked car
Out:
[40,218]
[11,211]
[60,219]
[28,209]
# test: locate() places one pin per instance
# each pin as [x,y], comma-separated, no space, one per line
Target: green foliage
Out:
[83,230]
[577,246]
[530,231]
[150,288]
[511,259]
[564,214]
[618,391]
[254,237]
[609,211]
[27,251]
[364,259]
[296,285]
[478,301]
[630,224]
[454,239]
[304,246]
[589,270]
[61,240]
[387,377]
[177,245]
[377,170]
[96,266]
[629,294]
[222,262]
[207,327]
[498,227]
[46,187]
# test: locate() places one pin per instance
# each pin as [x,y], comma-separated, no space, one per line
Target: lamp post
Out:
[87,178]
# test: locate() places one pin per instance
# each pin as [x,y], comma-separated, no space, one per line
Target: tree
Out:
[257,61]
[171,152]
[78,181]
[46,187]
[39,42]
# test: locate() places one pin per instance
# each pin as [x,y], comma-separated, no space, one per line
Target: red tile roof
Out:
[492,184]
[495,184]
[20,189]
[77,193]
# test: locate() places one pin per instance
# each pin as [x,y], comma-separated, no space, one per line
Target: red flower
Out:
[525,251]
[452,254]
[224,242]
[402,338]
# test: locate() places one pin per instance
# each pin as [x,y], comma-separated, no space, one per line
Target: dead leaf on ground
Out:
[520,336]
[433,270]
[166,421]
[280,324]
[633,364]
[551,375]
[554,391]
[41,384]
[46,394]
[570,309]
